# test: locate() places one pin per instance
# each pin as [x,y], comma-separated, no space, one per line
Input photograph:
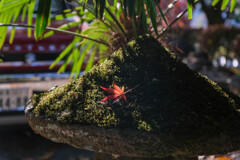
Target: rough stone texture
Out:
[174,112]
[224,79]
[130,142]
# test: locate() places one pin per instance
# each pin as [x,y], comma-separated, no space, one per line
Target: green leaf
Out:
[190,8]
[43,15]
[115,19]
[215,2]
[131,8]
[115,3]
[1,4]
[64,16]
[160,10]
[15,18]
[102,8]
[152,13]
[140,5]
[224,4]
[24,12]
[12,35]
[67,10]
[233,4]
[63,54]
[91,59]
[7,5]
[144,20]
[76,53]
[30,15]
[96,7]
[5,18]
[80,62]
[64,66]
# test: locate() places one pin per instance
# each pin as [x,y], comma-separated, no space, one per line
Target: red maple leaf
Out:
[117,93]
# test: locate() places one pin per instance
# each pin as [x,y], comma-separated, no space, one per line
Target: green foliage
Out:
[43,15]
[30,15]
[111,25]
[225,4]
[190,4]
[233,4]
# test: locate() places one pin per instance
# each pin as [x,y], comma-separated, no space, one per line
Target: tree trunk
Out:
[213,13]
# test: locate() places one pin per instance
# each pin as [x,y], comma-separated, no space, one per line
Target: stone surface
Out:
[174,111]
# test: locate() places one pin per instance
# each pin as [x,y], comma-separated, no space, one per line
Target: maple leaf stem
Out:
[131,89]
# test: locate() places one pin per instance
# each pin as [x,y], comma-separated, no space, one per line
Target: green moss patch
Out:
[170,97]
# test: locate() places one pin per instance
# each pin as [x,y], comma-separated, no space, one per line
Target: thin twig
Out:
[56,30]
[170,6]
[176,19]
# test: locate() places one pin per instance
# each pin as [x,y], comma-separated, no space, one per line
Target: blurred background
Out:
[209,44]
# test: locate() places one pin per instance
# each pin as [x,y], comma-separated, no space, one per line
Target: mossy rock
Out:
[173,111]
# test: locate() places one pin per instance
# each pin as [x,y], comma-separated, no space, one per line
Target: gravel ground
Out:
[20,143]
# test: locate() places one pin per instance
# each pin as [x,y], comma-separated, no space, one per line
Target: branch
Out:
[56,30]
[170,6]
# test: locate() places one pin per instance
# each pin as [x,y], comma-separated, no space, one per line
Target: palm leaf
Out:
[102,8]
[91,59]
[30,15]
[82,56]
[163,16]
[42,20]
[64,66]
[139,5]
[115,19]
[76,51]
[131,8]
[10,11]
[63,54]
[96,7]
[224,4]
[15,18]
[144,20]
[152,13]
[7,5]
[215,2]
[24,12]
[233,4]
[5,18]
[190,8]
[64,16]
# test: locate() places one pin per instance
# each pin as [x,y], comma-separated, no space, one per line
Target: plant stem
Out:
[56,30]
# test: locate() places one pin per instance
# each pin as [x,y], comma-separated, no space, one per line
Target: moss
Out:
[171,97]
